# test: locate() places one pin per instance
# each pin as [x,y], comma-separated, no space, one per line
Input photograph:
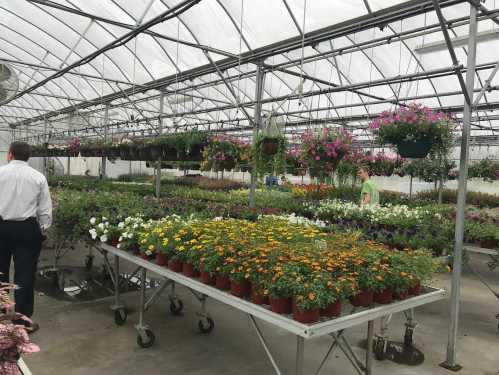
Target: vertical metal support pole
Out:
[68,172]
[106,123]
[117,301]
[300,352]
[369,352]
[260,82]
[44,140]
[450,362]
[160,131]
[143,275]
[410,188]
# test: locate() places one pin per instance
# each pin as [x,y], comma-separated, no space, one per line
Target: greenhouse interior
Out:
[249,187]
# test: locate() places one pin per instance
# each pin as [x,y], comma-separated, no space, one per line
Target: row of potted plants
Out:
[296,269]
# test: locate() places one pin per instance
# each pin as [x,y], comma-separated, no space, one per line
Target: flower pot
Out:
[415,290]
[281,305]
[240,289]
[175,265]
[124,152]
[155,152]
[161,259]
[114,242]
[195,153]
[222,282]
[416,150]
[258,299]
[189,270]
[270,146]
[384,297]
[401,295]
[206,278]
[334,309]
[363,299]
[306,316]
[134,152]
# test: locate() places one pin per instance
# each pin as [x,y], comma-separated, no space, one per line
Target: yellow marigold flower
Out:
[151,247]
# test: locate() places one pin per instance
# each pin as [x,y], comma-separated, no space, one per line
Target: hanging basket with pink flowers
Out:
[414,130]
[321,151]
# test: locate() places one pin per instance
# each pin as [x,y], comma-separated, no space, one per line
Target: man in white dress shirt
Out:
[25,213]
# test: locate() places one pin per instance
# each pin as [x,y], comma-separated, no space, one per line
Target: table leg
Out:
[300,352]
[369,353]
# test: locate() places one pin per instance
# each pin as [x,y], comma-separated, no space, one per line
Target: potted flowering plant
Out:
[269,153]
[321,151]
[74,147]
[223,152]
[383,165]
[414,130]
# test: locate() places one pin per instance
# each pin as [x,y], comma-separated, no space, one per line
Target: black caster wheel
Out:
[206,325]
[176,306]
[146,343]
[379,348]
[408,337]
[120,316]
[89,262]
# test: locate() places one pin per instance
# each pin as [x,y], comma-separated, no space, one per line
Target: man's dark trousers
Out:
[21,240]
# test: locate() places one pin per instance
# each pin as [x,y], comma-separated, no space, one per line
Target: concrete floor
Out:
[81,339]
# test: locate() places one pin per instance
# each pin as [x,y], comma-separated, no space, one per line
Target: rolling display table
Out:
[334,328]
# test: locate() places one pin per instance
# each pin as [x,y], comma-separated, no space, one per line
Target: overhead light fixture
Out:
[460,41]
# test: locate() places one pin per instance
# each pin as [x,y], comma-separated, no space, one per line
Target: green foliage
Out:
[486,169]
[266,162]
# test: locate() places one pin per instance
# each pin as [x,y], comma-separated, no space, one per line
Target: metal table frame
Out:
[334,328]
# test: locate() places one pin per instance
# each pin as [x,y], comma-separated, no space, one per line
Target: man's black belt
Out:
[28,220]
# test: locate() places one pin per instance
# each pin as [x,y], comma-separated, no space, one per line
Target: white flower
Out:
[120,239]
[103,238]
[92,221]
[130,235]
[93,233]
[121,225]
[118,246]
[104,218]
[101,226]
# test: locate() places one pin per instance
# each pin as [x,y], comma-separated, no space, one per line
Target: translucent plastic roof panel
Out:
[354,74]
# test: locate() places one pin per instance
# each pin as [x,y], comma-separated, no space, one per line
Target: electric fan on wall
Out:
[9,83]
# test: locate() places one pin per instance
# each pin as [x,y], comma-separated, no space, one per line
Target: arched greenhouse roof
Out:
[325,62]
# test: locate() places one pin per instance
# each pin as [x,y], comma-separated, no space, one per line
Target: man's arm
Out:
[44,212]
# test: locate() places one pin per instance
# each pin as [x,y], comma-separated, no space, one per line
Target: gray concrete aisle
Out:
[81,339]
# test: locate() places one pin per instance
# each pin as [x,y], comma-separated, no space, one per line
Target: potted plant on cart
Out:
[414,130]
[223,152]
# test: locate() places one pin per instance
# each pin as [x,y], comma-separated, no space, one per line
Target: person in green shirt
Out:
[369,195]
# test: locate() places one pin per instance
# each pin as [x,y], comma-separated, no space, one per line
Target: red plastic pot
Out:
[489,243]
[144,256]
[306,316]
[114,242]
[332,310]
[401,295]
[270,146]
[240,289]
[415,290]
[281,305]
[175,265]
[189,270]
[384,297]
[258,299]
[206,278]
[363,299]
[161,259]
[222,282]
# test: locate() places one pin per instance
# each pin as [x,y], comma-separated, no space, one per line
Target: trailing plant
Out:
[270,163]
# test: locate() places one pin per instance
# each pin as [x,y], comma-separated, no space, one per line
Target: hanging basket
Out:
[415,150]
[270,146]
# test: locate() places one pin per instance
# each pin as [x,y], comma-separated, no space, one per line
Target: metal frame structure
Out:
[200,78]
[49,113]
[333,328]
